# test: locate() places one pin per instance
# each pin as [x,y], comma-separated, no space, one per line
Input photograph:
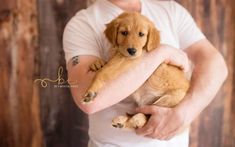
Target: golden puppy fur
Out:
[131,34]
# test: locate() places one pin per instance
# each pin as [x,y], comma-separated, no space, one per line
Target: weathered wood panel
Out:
[19,101]
[214,127]
[63,123]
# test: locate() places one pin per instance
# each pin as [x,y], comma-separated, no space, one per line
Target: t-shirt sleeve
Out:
[187,30]
[79,38]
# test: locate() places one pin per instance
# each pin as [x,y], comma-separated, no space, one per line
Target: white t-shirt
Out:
[84,35]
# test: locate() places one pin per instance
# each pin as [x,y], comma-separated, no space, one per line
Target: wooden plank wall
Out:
[63,123]
[31,48]
[214,128]
[19,99]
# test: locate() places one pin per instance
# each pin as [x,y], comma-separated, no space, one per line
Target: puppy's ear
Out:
[111,31]
[153,40]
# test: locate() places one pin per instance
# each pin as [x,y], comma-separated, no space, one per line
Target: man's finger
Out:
[147,109]
[145,131]
[157,134]
[169,137]
[186,64]
[169,132]
[149,128]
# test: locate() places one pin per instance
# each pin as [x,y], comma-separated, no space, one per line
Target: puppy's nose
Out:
[131,51]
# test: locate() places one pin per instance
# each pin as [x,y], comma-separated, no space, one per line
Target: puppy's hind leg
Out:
[130,121]
[171,98]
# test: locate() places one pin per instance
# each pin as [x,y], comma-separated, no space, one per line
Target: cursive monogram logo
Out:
[60,80]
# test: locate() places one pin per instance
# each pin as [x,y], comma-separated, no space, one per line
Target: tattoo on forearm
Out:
[75,60]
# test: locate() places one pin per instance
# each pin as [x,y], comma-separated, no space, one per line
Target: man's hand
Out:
[174,56]
[209,73]
[163,124]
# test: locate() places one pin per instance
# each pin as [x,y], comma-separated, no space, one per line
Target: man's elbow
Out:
[225,73]
[86,108]
[221,66]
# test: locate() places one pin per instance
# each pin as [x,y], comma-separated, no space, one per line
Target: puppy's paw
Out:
[98,64]
[137,121]
[88,97]
[120,121]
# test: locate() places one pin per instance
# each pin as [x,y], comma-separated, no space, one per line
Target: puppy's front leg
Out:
[97,65]
[91,93]
[109,72]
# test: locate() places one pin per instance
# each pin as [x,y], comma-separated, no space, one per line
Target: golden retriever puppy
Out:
[131,34]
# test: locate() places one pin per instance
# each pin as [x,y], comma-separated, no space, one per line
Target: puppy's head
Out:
[131,33]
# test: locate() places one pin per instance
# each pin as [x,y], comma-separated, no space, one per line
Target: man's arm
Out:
[209,73]
[123,86]
[80,77]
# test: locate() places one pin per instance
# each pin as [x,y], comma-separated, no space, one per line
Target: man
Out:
[84,43]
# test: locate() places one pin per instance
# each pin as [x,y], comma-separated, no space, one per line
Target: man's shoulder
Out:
[85,13]
[163,2]
[167,5]
[83,17]
[92,12]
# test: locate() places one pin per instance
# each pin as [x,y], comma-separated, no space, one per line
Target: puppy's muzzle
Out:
[131,51]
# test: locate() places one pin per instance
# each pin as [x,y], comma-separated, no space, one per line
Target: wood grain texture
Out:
[6,7]
[19,101]
[31,50]
[214,128]
[63,123]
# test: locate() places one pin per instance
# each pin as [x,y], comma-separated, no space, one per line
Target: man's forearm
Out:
[116,90]
[125,84]
[208,76]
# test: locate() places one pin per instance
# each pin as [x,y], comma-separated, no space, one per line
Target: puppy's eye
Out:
[124,33]
[141,34]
